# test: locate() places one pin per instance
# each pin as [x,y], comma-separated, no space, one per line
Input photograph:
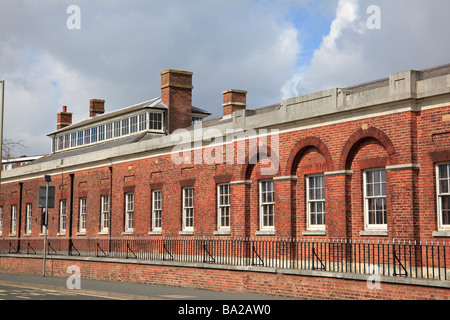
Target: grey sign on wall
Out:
[42,196]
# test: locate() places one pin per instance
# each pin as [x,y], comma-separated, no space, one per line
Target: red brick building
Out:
[371,161]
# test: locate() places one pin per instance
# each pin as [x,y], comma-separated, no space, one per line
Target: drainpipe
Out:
[20,215]
[71,213]
[110,205]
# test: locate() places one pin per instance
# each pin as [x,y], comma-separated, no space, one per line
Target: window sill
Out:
[82,233]
[127,233]
[61,234]
[376,233]
[441,233]
[102,233]
[222,232]
[155,233]
[314,233]
[186,233]
[265,233]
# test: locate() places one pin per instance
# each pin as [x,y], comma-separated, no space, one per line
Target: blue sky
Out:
[274,49]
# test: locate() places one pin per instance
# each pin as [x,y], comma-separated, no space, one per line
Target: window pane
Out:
[116,129]
[443,171]
[133,124]
[125,126]
[109,131]
[143,122]
[87,136]
[101,133]
[445,205]
[443,186]
[80,138]
[369,177]
[73,140]
[376,176]
[313,220]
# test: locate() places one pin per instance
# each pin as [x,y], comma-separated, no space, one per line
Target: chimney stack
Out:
[63,119]
[233,100]
[96,106]
[176,94]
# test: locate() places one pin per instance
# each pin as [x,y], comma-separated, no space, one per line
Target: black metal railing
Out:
[429,260]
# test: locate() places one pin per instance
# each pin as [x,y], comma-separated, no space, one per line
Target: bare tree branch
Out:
[11,148]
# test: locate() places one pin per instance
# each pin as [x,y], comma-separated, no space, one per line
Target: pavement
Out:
[122,290]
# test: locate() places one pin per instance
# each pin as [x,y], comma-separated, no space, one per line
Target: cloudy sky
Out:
[274,49]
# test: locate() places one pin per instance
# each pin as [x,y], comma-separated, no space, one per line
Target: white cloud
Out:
[413,35]
[124,45]
[34,92]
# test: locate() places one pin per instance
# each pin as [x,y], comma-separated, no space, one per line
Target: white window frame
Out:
[117,131]
[310,202]
[125,126]
[156,121]
[134,124]
[82,215]
[188,209]
[62,216]
[104,213]
[87,136]
[129,211]
[223,206]
[67,140]
[367,198]
[143,121]
[43,229]
[13,219]
[109,130]
[156,210]
[1,220]
[73,139]
[29,210]
[440,195]
[94,135]
[80,138]
[264,204]
[101,133]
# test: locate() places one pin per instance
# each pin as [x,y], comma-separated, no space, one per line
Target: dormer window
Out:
[115,128]
[155,121]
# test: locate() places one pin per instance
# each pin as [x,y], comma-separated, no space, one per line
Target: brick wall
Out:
[344,150]
[257,282]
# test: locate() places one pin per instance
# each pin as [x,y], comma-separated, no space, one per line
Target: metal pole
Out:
[45,227]
[1,126]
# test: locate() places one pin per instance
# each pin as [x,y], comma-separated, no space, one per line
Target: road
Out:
[29,287]
[26,292]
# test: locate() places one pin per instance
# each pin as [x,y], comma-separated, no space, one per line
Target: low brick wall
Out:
[295,284]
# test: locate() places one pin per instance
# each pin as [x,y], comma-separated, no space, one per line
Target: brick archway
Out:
[301,147]
[255,155]
[361,135]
